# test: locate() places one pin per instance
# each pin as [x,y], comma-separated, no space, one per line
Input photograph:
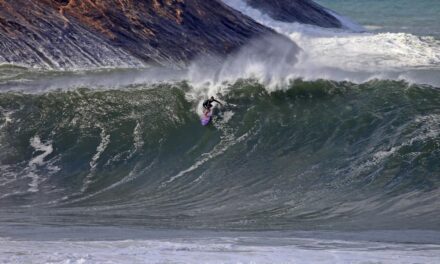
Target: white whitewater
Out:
[216,250]
[345,55]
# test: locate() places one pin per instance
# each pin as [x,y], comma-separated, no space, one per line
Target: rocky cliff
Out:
[66,34]
[302,11]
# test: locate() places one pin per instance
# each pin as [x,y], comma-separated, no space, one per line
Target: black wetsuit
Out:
[207,104]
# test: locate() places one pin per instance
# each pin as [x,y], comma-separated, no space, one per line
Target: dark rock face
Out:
[107,33]
[68,34]
[165,30]
[36,34]
[302,11]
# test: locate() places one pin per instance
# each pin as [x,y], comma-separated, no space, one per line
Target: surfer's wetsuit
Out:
[207,104]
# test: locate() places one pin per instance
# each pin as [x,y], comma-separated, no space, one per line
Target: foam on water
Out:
[38,161]
[428,129]
[105,140]
[291,159]
[332,54]
[216,250]
[337,54]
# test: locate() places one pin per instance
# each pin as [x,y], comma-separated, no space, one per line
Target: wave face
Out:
[341,131]
[318,154]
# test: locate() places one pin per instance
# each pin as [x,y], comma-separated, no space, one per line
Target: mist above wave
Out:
[274,62]
[312,53]
[349,55]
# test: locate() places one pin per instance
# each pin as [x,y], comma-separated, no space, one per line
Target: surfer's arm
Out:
[218,102]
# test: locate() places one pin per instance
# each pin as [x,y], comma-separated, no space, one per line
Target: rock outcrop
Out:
[64,34]
[69,34]
[302,11]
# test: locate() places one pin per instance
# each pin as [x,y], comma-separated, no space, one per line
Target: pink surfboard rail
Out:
[205,119]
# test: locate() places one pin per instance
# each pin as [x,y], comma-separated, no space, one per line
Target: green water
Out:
[417,17]
[316,154]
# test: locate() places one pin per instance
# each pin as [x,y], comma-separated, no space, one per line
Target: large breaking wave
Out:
[340,131]
[322,153]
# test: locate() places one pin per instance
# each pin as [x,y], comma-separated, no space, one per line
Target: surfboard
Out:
[206,118]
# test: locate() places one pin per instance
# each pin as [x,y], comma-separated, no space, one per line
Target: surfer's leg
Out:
[206,111]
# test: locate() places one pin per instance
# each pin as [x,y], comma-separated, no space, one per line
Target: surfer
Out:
[207,104]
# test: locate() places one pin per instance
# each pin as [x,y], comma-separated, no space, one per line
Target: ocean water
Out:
[328,152]
[416,17]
